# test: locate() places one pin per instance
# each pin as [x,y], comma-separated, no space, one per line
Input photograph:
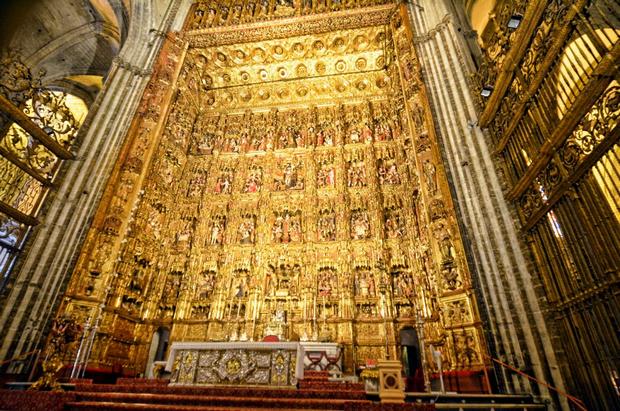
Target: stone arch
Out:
[478,13]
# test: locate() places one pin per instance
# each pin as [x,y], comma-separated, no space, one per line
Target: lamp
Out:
[486,91]
[515,21]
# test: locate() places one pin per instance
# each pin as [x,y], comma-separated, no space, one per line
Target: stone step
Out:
[202,400]
[97,405]
[229,391]
[490,407]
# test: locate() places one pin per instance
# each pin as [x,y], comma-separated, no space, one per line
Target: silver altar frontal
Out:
[278,364]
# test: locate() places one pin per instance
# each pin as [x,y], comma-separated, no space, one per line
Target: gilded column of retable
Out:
[292,184]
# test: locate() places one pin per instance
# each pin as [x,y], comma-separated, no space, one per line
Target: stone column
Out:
[52,252]
[507,283]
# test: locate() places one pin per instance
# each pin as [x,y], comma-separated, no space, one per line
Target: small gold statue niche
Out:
[236,138]
[360,224]
[254,180]
[393,220]
[356,169]
[282,279]
[381,123]
[138,279]
[402,282]
[357,124]
[206,138]
[197,183]
[289,174]
[218,230]
[325,175]
[171,291]
[205,284]
[387,170]
[327,282]
[246,232]
[326,223]
[238,292]
[364,284]
[259,132]
[289,133]
[287,226]
[224,181]
[326,132]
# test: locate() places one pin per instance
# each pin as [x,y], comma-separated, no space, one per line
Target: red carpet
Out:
[314,393]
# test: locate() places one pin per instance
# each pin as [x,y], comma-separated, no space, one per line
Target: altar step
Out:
[171,401]
[81,406]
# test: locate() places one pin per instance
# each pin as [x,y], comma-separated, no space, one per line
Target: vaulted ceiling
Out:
[68,40]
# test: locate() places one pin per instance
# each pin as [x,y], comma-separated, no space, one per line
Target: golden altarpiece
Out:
[282,166]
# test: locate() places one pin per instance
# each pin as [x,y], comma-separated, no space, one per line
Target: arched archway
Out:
[158,348]
[411,357]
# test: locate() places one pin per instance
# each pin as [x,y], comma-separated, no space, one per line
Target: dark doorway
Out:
[411,359]
[162,345]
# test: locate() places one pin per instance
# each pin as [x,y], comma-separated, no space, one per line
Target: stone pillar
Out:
[391,386]
[48,262]
[506,282]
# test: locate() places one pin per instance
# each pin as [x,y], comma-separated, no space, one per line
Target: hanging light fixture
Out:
[515,21]
[486,91]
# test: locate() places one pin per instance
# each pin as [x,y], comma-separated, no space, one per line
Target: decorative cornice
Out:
[313,24]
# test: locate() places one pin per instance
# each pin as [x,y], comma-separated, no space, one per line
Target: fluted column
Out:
[507,283]
[49,260]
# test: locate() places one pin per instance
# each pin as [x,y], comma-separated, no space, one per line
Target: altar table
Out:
[236,363]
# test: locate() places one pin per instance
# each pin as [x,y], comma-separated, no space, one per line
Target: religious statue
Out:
[430,177]
[223,184]
[327,282]
[388,173]
[290,177]
[356,174]
[394,227]
[445,243]
[196,185]
[205,284]
[325,175]
[65,330]
[364,283]
[366,133]
[327,226]
[287,227]
[246,230]
[254,181]
[217,231]
[360,225]
[325,135]
[465,347]
[382,129]
[403,285]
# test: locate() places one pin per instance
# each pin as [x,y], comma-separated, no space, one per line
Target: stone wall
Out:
[507,282]
[49,259]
